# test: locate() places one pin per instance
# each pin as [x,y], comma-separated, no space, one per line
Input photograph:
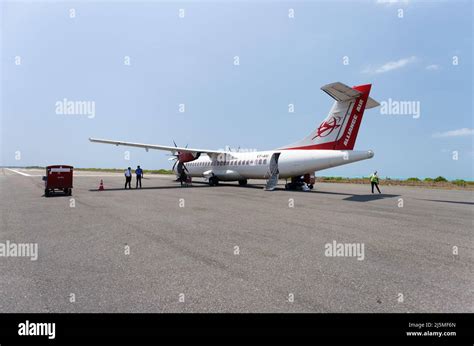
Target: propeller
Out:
[176,157]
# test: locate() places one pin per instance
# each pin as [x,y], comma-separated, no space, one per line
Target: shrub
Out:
[440,179]
[159,171]
[459,182]
[429,180]
[413,179]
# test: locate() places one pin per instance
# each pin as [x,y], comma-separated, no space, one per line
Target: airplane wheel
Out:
[213,181]
[310,186]
[243,182]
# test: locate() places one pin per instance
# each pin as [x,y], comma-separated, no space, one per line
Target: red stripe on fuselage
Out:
[322,146]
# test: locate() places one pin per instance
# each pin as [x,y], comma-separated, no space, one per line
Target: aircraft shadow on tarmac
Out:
[201,184]
[370,197]
[351,197]
[149,188]
[444,201]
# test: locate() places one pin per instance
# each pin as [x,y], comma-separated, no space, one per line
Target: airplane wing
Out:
[172,149]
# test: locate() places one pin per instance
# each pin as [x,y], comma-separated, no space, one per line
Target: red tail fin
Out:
[349,136]
[339,130]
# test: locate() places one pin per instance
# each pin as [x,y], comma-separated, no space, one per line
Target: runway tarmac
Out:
[233,249]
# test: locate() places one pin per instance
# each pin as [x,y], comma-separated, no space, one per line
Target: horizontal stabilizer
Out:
[371,103]
[341,92]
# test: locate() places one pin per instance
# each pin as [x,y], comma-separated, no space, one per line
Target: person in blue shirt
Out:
[139,173]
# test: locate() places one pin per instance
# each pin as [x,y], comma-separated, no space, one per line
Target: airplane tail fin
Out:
[339,130]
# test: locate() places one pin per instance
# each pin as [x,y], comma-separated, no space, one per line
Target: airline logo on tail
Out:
[327,127]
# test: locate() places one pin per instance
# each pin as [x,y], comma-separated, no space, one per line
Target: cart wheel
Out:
[46,192]
[69,192]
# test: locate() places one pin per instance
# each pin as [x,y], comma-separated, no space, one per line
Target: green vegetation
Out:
[459,182]
[108,170]
[158,171]
[333,178]
[439,182]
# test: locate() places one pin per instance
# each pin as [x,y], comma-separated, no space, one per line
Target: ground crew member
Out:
[374,181]
[128,177]
[139,173]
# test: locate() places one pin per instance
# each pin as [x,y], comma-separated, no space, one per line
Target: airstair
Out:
[273,174]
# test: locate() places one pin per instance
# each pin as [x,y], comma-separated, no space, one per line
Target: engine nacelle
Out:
[187,157]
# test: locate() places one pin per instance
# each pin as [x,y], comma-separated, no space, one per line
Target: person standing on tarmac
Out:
[128,178]
[374,181]
[139,173]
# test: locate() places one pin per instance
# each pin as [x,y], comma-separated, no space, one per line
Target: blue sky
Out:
[190,61]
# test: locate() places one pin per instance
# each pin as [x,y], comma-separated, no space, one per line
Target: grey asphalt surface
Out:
[190,250]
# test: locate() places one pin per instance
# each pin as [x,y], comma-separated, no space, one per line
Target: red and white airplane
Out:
[330,144]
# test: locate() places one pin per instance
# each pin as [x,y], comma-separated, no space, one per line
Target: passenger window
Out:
[265,161]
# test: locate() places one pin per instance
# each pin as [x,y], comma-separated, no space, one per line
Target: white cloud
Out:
[391,65]
[455,133]
[432,67]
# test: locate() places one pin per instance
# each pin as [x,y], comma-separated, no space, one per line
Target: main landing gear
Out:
[298,183]
[243,182]
[213,181]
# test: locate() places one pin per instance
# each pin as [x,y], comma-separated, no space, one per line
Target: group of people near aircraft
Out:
[128,177]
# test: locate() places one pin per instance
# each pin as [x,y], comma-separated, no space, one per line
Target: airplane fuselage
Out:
[256,165]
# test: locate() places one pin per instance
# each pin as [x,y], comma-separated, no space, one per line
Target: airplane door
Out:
[274,164]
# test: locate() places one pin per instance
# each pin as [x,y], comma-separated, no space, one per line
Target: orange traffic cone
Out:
[101,186]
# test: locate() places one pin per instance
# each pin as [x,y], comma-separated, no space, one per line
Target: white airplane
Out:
[330,144]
